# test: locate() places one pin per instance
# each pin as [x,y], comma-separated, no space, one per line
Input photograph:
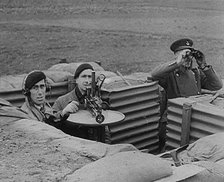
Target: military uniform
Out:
[44,114]
[63,101]
[183,82]
[188,83]
[69,127]
[73,129]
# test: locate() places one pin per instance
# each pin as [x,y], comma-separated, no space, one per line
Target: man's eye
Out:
[42,86]
[86,76]
[35,87]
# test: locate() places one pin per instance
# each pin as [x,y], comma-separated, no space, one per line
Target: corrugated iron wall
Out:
[206,119]
[16,97]
[140,104]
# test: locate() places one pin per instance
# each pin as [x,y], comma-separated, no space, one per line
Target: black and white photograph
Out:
[111,90]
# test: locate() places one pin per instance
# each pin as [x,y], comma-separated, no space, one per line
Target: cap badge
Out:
[187,43]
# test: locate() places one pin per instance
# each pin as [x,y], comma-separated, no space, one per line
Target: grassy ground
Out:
[128,36]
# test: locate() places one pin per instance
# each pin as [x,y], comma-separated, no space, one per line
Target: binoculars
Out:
[195,53]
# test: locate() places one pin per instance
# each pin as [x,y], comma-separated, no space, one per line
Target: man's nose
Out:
[40,90]
[88,80]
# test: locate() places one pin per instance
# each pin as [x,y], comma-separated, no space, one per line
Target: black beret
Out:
[81,68]
[32,78]
[181,44]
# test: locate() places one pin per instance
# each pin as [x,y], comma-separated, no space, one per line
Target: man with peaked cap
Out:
[34,88]
[180,79]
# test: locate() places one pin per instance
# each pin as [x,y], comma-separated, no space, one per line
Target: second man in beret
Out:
[74,101]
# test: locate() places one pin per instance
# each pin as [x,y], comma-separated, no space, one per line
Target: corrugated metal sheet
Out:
[16,97]
[206,119]
[140,104]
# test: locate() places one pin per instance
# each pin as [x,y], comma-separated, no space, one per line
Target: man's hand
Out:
[72,107]
[182,56]
[200,59]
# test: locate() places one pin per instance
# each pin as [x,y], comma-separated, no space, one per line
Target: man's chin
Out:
[40,102]
[86,88]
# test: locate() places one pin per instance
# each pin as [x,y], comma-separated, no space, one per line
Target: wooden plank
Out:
[186,123]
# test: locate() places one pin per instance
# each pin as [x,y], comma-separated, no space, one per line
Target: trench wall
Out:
[131,95]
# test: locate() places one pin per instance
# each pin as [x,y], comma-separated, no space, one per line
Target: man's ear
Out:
[26,92]
[75,81]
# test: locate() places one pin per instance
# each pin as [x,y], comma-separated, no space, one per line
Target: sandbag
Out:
[15,82]
[120,82]
[214,172]
[209,148]
[131,166]
[107,74]
[71,67]
[5,85]
[58,76]
[11,111]
[11,82]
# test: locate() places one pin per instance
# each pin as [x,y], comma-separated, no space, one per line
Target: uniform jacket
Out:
[46,114]
[63,101]
[79,131]
[184,84]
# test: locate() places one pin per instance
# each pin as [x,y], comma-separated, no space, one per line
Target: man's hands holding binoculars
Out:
[200,58]
[185,56]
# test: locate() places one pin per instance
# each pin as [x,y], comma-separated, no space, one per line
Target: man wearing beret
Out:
[34,88]
[179,78]
[74,101]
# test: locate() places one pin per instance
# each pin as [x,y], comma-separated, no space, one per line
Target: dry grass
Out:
[28,46]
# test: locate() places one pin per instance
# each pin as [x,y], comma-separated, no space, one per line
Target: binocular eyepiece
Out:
[195,53]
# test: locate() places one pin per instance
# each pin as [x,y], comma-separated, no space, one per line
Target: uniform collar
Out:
[79,95]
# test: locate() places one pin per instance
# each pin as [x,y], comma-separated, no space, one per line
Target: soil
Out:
[124,35]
